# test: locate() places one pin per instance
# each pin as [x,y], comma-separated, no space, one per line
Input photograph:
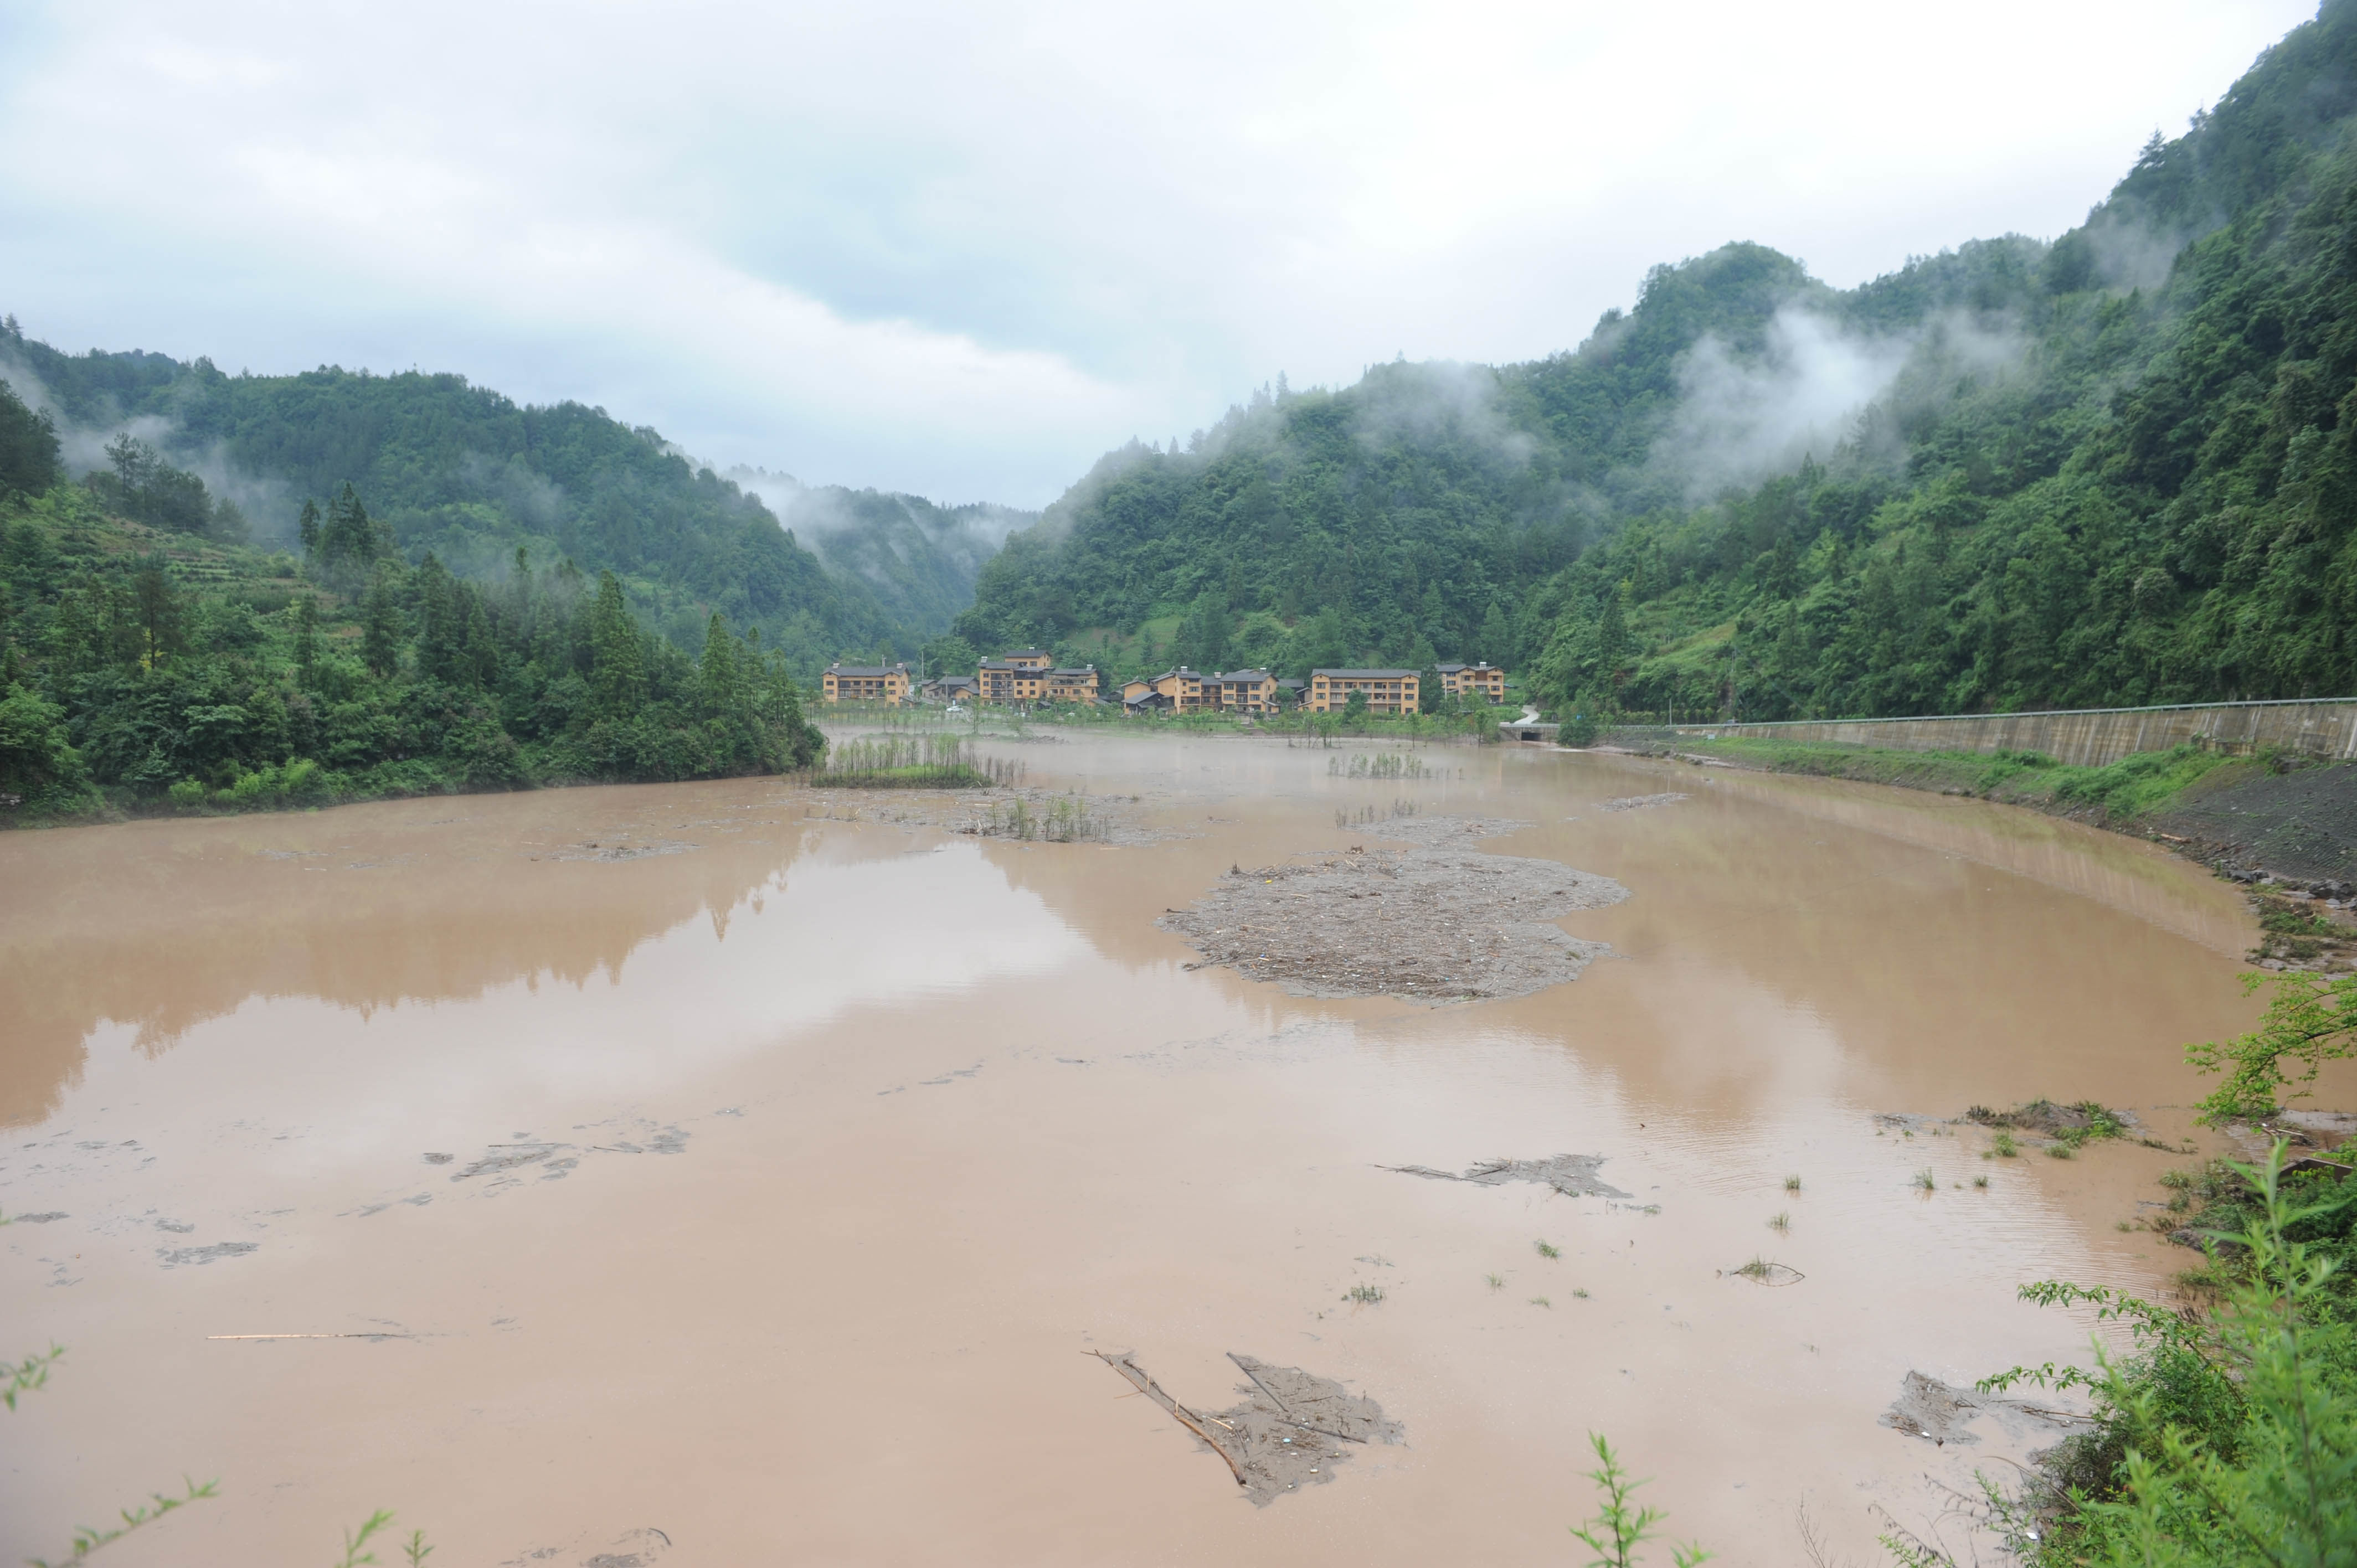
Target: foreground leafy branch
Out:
[25,1376]
[1620,1528]
[2310,1019]
[88,1539]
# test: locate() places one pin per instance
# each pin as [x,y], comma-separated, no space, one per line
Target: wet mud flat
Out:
[1440,921]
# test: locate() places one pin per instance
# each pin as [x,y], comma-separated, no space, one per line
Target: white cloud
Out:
[1741,419]
[960,250]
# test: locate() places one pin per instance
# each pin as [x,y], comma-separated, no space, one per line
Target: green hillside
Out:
[2116,468]
[147,661]
[472,475]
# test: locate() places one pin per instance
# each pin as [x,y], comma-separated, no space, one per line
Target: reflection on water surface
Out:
[758,1179]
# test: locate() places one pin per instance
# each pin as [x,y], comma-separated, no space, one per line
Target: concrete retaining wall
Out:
[2089,737]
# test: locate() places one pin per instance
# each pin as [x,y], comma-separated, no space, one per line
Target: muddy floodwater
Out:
[669,1174]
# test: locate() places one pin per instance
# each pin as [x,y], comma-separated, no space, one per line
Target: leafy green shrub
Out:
[2226,1440]
[40,771]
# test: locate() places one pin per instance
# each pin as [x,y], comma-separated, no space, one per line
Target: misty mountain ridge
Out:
[468,474]
[2116,467]
[918,559]
[2113,467]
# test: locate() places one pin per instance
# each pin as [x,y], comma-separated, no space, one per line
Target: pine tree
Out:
[28,444]
[307,636]
[380,623]
[306,529]
[617,662]
[350,541]
[717,692]
[1612,636]
[1497,637]
[161,617]
[481,659]
[440,633]
[803,743]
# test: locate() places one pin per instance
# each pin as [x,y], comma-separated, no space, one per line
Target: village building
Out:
[1242,691]
[1388,691]
[948,689]
[1031,675]
[1014,677]
[886,683]
[1066,685]
[1174,690]
[1484,679]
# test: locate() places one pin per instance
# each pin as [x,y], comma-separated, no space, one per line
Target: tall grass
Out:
[1365,815]
[902,761]
[1066,820]
[1381,765]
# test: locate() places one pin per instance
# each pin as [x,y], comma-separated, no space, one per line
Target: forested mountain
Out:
[467,474]
[2115,468]
[145,665]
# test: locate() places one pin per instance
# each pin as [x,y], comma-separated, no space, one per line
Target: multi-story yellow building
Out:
[1242,691]
[866,684]
[1388,691]
[1178,690]
[1031,675]
[1484,679]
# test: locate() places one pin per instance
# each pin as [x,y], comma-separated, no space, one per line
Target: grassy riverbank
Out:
[2119,795]
[2272,811]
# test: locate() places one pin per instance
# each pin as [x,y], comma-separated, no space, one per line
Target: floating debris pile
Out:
[1574,1175]
[1291,1430]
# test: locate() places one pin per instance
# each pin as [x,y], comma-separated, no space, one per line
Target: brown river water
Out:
[795,1164]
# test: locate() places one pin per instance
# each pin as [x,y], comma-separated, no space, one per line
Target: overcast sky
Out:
[961,249]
